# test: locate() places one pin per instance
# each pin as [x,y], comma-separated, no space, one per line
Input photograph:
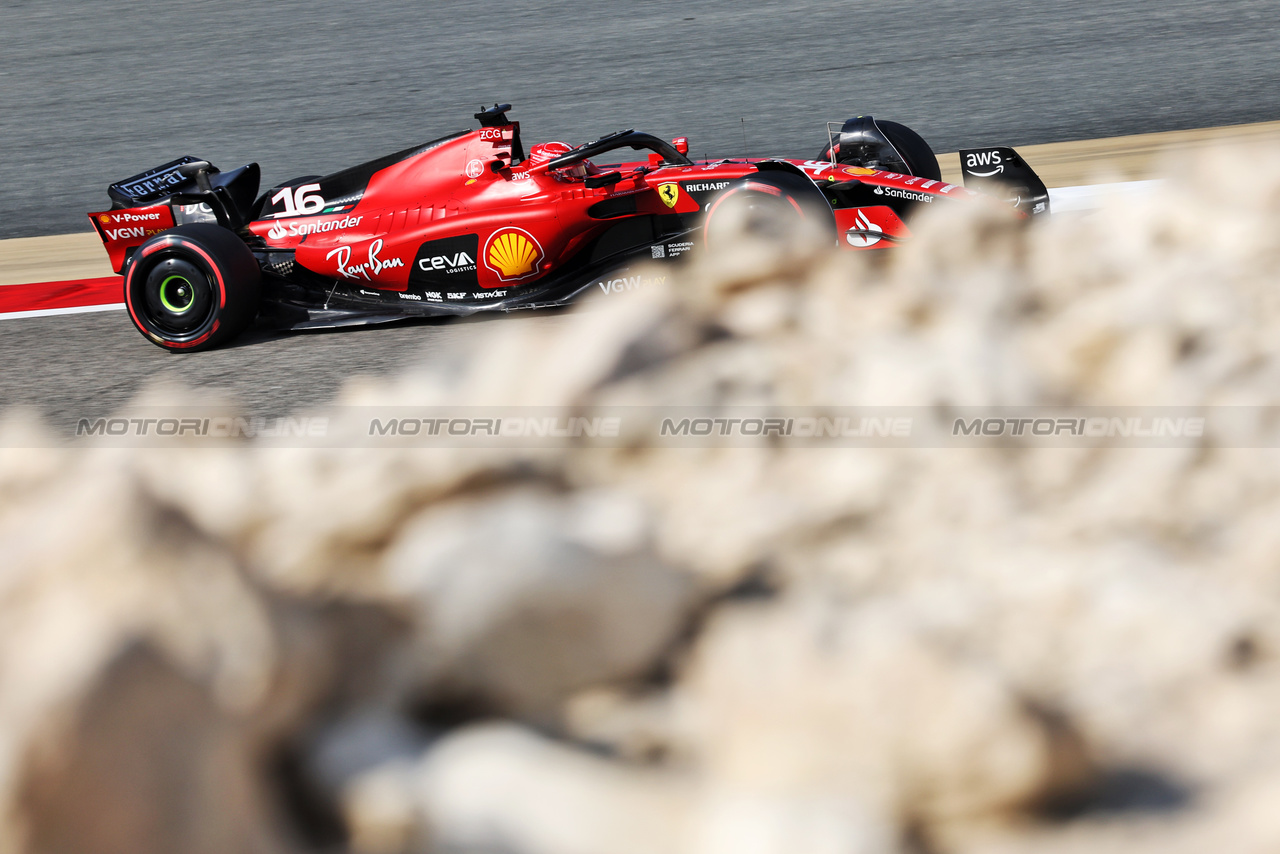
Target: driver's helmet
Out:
[544,151]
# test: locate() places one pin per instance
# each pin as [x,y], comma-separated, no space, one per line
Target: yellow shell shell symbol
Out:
[513,255]
[104,219]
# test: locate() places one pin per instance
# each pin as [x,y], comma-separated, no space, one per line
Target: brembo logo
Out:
[513,253]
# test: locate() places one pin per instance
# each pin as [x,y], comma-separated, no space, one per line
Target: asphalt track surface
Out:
[47,368]
[95,92]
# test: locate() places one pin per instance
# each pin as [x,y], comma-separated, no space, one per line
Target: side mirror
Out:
[608,179]
[682,144]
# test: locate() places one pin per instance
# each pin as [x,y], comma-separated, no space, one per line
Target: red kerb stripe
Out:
[73,294]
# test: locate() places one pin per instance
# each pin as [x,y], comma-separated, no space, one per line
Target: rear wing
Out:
[181,191]
[192,181]
[153,185]
[1001,171]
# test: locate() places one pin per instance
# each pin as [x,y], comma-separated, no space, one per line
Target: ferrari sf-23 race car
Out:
[469,222]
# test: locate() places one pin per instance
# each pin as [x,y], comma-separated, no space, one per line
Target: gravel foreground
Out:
[752,650]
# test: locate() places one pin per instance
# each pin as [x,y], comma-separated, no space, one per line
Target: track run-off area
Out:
[70,352]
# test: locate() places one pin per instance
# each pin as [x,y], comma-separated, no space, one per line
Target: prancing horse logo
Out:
[669,193]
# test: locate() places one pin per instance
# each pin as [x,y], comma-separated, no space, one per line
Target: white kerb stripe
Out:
[1090,196]
[51,312]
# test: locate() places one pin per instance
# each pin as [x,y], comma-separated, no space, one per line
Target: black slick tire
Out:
[914,150]
[192,288]
[779,198]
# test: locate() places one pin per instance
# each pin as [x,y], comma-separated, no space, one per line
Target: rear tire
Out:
[192,288]
[914,150]
[769,205]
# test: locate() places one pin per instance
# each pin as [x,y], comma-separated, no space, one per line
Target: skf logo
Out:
[669,193]
[513,253]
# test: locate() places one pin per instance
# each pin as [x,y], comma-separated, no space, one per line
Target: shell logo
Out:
[513,253]
[104,219]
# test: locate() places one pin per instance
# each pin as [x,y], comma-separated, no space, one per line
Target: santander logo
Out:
[865,233]
[281,229]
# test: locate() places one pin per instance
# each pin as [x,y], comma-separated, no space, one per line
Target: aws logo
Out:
[513,254]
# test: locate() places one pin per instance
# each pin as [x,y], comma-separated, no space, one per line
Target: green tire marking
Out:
[164,295]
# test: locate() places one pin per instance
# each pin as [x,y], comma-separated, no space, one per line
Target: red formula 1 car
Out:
[469,222]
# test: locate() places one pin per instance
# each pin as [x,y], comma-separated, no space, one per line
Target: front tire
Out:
[771,205]
[914,150]
[192,288]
